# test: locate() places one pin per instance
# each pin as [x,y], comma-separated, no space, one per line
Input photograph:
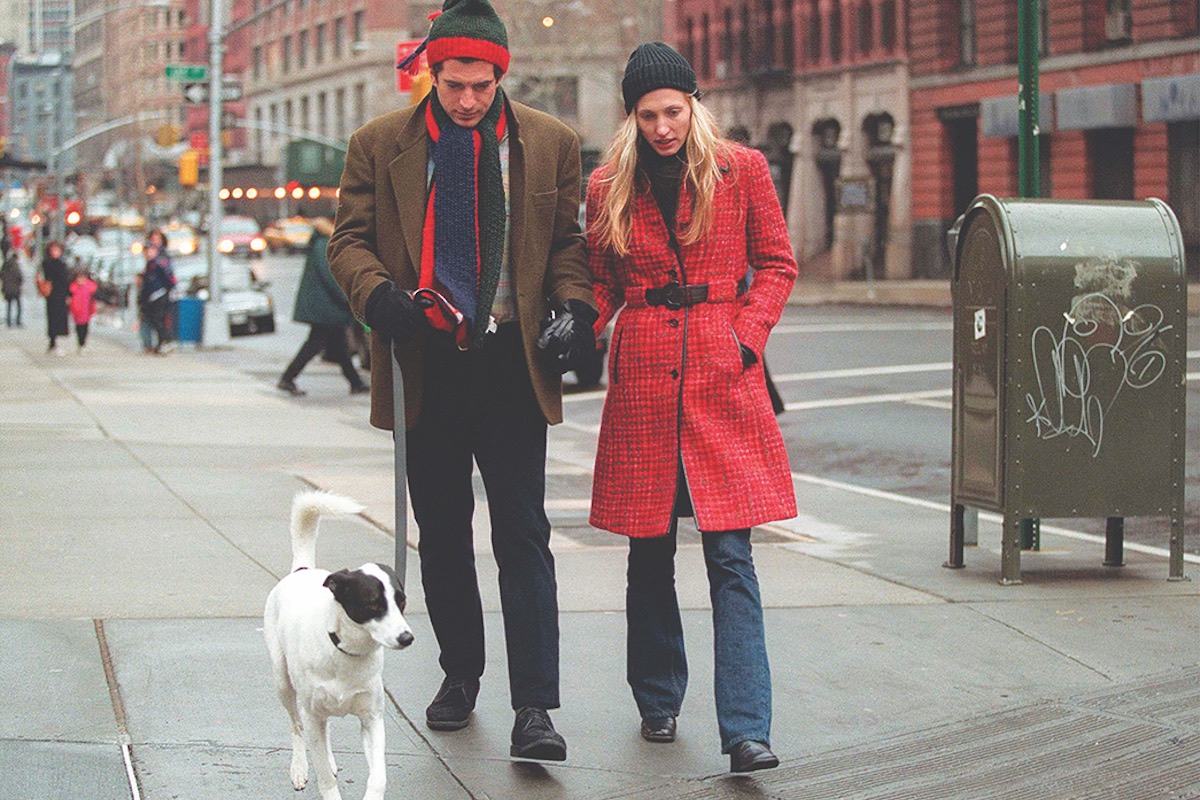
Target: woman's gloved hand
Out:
[393,314]
[567,339]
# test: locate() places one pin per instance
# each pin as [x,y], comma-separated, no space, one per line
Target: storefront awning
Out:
[1000,117]
[1171,99]
[1112,105]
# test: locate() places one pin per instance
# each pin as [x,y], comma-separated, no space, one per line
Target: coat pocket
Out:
[614,369]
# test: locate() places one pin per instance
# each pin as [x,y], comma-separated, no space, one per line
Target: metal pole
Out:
[1027,98]
[215,330]
[1028,152]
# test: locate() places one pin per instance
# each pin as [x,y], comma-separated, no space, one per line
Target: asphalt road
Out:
[868,393]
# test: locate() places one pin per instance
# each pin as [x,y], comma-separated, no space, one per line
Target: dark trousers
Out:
[480,405]
[81,332]
[12,303]
[331,339]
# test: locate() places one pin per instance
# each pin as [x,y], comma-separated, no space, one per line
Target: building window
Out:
[320,45]
[835,33]
[304,113]
[339,36]
[302,49]
[1044,27]
[814,32]
[322,113]
[744,40]
[966,32]
[766,56]
[256,60]
[705,48]
[866,23]
[360,105]
[287,54]
[887,25]
[359,26]
[339,114]
[725,63]
[788,37]
[287,117]
[1118,22]
[689,39]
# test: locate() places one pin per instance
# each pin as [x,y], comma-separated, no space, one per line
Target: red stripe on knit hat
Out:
[465,47]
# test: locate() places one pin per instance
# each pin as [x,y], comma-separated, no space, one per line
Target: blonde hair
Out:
[707,163]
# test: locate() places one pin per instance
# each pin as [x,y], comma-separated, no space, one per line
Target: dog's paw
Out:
[299,771]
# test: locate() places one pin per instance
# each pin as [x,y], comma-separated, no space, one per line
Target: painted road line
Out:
[864,327]
[841,402]
[861,372]
[1066,533]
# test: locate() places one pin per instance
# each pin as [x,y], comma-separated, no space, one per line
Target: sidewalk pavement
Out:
[145,519]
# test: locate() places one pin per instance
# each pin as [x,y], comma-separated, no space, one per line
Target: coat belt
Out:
[676,295]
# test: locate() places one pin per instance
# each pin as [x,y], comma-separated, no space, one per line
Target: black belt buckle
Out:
[673,296]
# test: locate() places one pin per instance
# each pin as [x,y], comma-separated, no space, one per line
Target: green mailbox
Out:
[1070,349]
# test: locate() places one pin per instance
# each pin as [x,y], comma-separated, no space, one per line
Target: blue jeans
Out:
[656,661]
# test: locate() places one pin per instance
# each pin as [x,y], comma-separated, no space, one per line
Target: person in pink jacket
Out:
[83,305]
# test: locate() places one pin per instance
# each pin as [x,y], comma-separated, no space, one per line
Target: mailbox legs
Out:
[1010,551]
[1114,542]
[957,519]
[1176,565]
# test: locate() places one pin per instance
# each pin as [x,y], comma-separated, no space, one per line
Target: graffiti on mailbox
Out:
[1102,349]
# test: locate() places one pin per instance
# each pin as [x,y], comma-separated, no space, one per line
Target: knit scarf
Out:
[465,217]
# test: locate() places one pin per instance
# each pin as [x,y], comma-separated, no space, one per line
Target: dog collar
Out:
[337,642]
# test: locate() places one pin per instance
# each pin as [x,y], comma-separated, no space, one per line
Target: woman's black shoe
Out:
[751,756]
[288,385]
[658,729]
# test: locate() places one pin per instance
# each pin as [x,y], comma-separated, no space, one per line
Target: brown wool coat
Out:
[378,237]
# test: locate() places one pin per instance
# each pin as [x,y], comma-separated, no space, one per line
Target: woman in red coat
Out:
[676,216]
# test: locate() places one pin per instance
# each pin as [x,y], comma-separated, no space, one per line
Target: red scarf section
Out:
[440,312]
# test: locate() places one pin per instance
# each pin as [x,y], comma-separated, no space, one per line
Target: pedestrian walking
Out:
[676,215]
[83,305]
[55,287]
[11,280]
[321,304]
[154,293]
[471,201]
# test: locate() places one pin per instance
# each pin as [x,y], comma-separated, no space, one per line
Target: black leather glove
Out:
[393,314]
[748,357]
[567,338]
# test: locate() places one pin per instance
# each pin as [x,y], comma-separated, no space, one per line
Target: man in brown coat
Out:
[457,241]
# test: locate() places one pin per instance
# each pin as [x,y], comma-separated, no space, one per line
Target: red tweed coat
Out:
[676,383]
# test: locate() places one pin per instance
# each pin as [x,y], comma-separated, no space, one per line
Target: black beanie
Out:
[656,65]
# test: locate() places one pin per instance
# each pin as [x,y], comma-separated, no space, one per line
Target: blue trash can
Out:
[190,315]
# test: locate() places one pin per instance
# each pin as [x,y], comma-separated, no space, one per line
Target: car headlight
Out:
[225,246]
[136,248]
[258,244]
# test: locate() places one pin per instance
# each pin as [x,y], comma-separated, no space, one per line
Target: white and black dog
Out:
[326,632]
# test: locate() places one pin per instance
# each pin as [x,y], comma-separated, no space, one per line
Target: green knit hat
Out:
[468,29]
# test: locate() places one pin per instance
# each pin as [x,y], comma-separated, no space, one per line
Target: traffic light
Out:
[189,168]
[166,135]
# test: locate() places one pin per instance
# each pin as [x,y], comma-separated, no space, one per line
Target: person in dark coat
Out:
[154,294]
[676,217]
[11,279]
[321,304]
[54,270]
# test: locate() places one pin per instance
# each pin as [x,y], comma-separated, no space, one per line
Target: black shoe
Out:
[359,388]
[658,729]
[751,756]
[452,706]
[533,736]
[288,385]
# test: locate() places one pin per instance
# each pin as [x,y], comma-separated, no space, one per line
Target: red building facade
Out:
[1120,108]
[821,86]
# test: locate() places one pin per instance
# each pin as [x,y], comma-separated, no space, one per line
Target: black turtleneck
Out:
[665,174]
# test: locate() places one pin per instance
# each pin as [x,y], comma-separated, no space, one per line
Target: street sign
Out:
[198,92]
[187,72]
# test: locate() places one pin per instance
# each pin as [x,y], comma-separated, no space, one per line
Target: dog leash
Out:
[399,426]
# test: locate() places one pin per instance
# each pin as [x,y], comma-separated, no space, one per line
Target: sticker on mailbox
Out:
[980,323]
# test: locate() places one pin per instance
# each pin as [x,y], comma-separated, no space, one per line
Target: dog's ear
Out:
[336,583]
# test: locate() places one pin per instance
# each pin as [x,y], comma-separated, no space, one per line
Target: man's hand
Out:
[567,338]
[393,314]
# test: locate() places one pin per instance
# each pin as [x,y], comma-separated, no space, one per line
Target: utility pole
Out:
[216,322]
[1028,156]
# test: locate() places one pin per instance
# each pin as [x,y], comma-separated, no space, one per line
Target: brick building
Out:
[1120,108]
[822,87]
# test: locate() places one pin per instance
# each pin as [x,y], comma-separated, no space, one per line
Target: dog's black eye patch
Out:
[397,587]
[360,595]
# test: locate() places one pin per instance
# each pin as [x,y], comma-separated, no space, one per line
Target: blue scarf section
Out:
[469,215]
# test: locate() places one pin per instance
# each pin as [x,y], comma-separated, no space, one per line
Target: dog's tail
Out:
[307,508]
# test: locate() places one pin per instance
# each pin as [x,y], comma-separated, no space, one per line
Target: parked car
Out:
[182,240]
[249,305]
[240,236]
[290,234]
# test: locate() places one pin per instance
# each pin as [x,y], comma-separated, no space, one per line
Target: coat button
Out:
[674,323]
[675,374]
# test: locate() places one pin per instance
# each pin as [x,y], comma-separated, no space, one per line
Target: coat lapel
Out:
[409,174]
[516,205]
